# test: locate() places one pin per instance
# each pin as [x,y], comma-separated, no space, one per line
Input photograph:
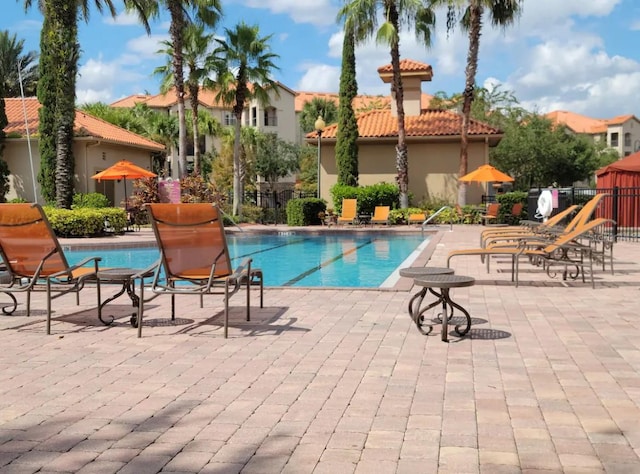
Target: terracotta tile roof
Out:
[430,123]
[206,97]
[620,119]
[85,125]
[131,100]
[583,124]
[408,67]
[359,102]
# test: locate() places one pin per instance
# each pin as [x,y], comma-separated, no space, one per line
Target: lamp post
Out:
[319,126]
[26,126]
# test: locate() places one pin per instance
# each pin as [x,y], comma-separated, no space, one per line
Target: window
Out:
[254,116]
[229,118]
[614,139]
[627,139]
[270,117]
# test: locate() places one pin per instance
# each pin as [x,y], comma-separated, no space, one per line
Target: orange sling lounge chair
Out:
[547,251]
[380,215]
[194,257]
[34,259]
[349,210]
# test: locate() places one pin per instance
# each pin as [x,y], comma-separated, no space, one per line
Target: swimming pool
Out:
[365,260]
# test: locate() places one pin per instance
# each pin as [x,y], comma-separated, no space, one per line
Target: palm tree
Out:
[502,13]
[12,58]
[196,45]
[244,63]
[59,55]
[362,16]
[204,12]
[318,106]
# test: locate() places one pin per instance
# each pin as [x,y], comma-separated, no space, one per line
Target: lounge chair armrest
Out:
[80,264]
[147,271]
[242,270]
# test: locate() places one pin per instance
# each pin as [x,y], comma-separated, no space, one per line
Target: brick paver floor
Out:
[334,381]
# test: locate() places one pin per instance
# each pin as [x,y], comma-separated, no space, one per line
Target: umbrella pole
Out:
[126,207]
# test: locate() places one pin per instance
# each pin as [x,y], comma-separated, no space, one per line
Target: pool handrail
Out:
[432,216]
[231,219]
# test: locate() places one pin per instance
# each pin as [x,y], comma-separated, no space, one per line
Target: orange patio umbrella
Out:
[124,170]
[485,174]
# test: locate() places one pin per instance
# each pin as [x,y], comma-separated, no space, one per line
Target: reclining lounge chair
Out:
[194,258]
[34,259]
[565,250]
[349,211]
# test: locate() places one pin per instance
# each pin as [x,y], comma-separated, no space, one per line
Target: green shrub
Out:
[91,200]
[306,211]
[86,222]
[114,219]
[507,201]
[380,194]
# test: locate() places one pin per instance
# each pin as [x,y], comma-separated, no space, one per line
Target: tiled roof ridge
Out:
[110,125]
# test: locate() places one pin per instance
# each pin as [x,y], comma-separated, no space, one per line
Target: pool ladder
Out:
[434,215]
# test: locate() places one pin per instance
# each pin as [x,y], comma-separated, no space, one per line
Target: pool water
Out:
[368,260]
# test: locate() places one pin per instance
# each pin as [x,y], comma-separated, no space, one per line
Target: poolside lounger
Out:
[564,250]
[34,259]
[194,258]
[416,218]
[380,215]
[349,211]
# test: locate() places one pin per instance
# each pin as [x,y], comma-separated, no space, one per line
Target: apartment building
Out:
[622,133]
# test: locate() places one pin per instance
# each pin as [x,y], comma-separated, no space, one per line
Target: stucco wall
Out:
[90,158]
[433,168]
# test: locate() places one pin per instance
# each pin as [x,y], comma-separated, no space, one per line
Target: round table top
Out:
[118,274]
[415,272]
[444,281]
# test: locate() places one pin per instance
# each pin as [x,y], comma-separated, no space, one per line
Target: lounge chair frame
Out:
[566,250]
[214,275]
[34,258]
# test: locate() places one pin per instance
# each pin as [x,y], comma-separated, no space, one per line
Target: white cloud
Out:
[97,80]
[146,46]
[123,19]
[316,12]
[319,78]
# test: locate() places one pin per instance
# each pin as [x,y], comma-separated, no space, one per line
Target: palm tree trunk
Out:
[176,31]
[236,169]
[475,26]
[193,95]
[402,152]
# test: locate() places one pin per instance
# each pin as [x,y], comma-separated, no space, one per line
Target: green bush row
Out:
[381,194]
[307,211]
[86,222]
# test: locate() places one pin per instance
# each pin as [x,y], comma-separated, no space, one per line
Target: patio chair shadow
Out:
[261,324]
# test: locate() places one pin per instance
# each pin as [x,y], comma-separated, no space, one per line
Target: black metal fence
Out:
[273,204]
[622,205]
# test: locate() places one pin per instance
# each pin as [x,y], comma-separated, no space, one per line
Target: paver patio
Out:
[334,381]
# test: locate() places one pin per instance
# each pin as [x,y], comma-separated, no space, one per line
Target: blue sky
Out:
[561,54]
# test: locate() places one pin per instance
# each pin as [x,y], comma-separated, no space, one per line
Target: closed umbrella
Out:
[485,174]
[124,170]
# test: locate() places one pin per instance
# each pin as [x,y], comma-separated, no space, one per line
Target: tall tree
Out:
[502,13]
[347,136]
[4,169]
[12,57]
[363,15]
[196,48]
[244,64]
[183,13]
[59,54]
[275,158]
